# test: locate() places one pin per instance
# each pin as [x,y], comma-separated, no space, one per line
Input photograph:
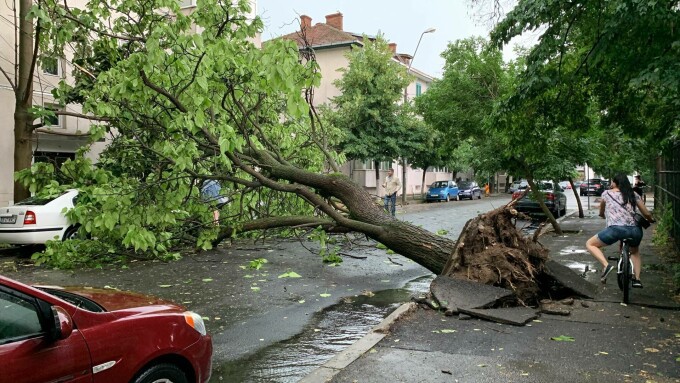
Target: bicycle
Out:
[625,270]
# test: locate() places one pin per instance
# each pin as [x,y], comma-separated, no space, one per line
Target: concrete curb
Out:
[340,361]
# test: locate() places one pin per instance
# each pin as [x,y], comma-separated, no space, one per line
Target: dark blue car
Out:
[442,191]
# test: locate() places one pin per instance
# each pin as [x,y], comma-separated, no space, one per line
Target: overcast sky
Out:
[400,21]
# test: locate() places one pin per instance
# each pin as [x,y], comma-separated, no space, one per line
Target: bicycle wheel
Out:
[627,270]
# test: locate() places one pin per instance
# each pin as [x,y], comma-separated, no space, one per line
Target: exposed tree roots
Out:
[493,251]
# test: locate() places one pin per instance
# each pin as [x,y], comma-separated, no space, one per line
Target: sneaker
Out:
[605,272]
[637,284]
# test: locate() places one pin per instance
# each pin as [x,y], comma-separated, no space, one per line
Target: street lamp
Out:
[403,160]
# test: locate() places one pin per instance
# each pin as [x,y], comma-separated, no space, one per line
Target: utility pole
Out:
[403,160]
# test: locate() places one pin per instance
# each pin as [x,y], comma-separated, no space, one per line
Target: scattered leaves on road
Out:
[207,279]
[444,331]
[442,232]
[324,295]
[164,286]
[651,349]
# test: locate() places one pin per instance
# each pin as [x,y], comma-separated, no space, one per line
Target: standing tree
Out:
[367,110]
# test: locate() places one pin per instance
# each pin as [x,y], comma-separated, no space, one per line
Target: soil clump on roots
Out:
[491,250]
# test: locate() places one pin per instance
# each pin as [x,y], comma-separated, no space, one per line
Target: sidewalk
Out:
[603,340]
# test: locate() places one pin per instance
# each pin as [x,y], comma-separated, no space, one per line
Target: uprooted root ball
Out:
[491,250]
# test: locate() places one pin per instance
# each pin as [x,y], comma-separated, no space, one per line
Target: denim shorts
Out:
[612,234]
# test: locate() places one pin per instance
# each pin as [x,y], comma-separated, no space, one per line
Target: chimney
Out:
[305,22]
[335,20]
[393,48]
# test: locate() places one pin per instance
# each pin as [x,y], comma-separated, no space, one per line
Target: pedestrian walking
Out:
[210,193]
[391,185]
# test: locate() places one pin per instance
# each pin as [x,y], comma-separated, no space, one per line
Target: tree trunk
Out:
[540,198]
[23,150]
[403,181]
[423,247]
[578,198]
[422,184]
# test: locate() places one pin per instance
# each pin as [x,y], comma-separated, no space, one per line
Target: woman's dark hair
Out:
[627,192]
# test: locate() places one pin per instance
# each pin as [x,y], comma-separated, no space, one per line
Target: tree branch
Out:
[272,223]
[11,83]
[162,91]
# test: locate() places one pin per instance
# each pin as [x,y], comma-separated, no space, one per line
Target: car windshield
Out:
[439,184]
[595,181]
[75,299]
[465,185]
[545,186]
[35,201]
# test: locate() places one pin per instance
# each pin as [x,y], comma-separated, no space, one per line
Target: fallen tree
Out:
[181,108]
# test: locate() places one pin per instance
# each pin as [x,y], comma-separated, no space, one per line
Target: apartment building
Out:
[331,42]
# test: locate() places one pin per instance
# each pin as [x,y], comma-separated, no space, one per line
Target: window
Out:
[18,318]
[50,65]
[187,3]
[52,121]
[419,89]
[370,165]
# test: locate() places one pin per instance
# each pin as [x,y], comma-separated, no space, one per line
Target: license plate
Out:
[435,195]
[10,220]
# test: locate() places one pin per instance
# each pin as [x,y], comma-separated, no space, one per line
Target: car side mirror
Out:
[62,322]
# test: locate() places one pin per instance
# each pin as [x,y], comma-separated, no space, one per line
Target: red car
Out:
[50,334]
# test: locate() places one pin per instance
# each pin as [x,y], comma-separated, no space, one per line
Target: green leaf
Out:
[207,279]
[290,274]
[324,295]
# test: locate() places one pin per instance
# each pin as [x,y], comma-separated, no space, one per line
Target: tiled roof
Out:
[322,34]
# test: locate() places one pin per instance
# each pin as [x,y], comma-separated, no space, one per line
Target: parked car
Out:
[565,185]
[469,189]
[555,200]
[442,191]
[594,186]
[37,220]
[518,185]
[51,334]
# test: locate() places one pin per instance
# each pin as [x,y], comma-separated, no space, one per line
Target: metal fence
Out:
[668,187]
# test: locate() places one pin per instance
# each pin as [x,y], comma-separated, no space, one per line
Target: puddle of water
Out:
[329,332]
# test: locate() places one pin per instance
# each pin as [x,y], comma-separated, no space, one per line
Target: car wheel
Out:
[457,197]
[71,233]
[162,373]
[479,196]
[557,211]
[448,198]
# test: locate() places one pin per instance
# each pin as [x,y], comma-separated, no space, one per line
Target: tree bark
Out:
[23,149]
[540,198]
[578,198]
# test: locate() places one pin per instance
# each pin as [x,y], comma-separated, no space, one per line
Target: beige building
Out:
[331,42]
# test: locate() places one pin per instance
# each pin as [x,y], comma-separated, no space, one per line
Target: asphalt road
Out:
[249,310]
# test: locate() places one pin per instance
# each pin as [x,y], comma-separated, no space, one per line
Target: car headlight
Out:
[195,321]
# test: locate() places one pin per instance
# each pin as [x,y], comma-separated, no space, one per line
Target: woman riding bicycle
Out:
[617,206]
